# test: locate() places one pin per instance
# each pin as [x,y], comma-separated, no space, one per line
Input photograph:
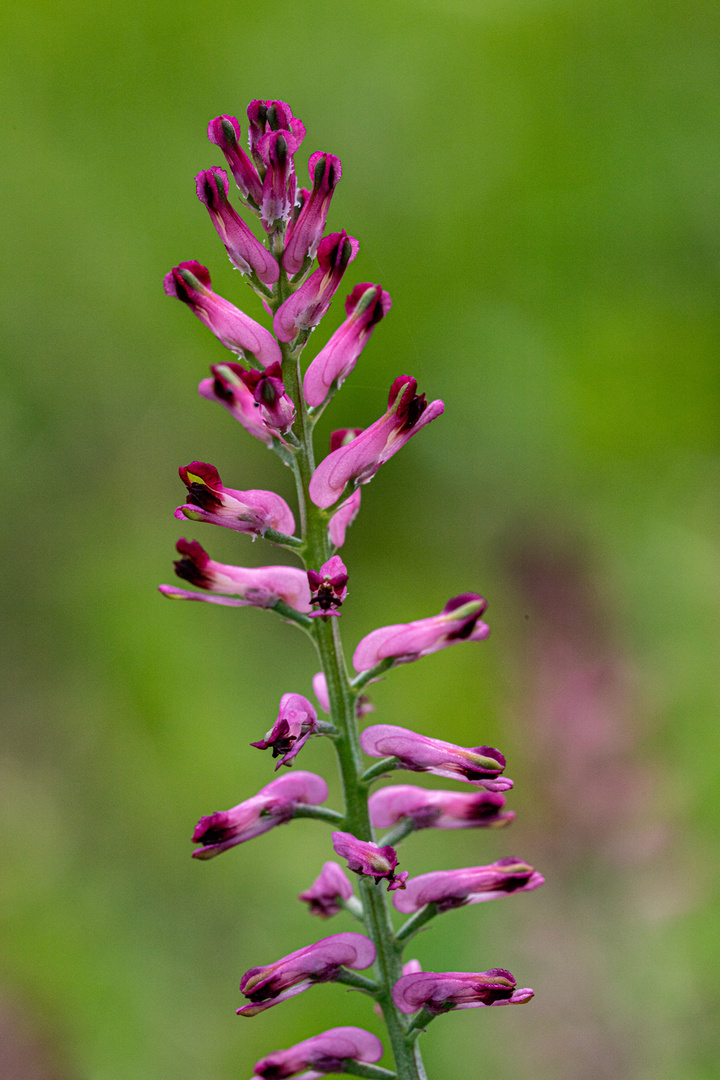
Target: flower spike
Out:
[365,306]
[432,809]
[366,858]
[252,512]
[481,765]
[327,890]
[438,992]
[306,307]
[244,250]
[472,885]
[359,460]
[190,282]
[321,962]
[257,586]
[322,1054]
[306,231]
[273,805]
[459,620]
[296,722]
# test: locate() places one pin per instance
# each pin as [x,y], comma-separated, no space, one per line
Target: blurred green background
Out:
[536,184]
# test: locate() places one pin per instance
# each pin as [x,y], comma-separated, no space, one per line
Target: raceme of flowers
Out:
[280,245]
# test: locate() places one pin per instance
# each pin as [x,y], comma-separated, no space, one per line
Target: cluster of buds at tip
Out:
[369,860]
[296,722]
[328,587]
[481,765]
[330,888]
[322,1054]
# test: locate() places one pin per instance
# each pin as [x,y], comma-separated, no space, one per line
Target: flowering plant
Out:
[296,273]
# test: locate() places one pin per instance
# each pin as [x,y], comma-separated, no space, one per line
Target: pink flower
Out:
[190,282]
[296,722]
[440,991]
[274,406]
[306,307]
[227,389]
[364,857]
[266,116]
[479,765]
[323,895]
[359,460]
[471,885]
[342,518]
[276,148]
[244,250]
[259,586]
[437,809]
[252,512]
[322,1054]
[403,642]
[306,232]
[224,131]
[366,305]
[273,805]
[328,587]
[321,962]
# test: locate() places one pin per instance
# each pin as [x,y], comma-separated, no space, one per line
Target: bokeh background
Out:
[536,184]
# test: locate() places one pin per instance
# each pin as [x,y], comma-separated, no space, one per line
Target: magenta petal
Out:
[439,991]
[326,1052]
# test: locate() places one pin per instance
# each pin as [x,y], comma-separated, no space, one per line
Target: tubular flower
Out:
[252,512]
[266,116]
[366,305]
[256,586]
[438,809]
[244,250]
[322,1054]
[296,722]
[471,885]
[306,307]
[224,131]
[359,460]
[479,765]
[276,149]
[227,389]
[328,587]
[441,991]
[327,890]
[343,518]
[274,406]
[459,620]
[273,805]
[364,857]
[321,962]
[306,231]
[190,282]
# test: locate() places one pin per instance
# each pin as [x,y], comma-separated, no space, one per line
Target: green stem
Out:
[416,922]
[372,1072]
[322,813]
[379,769]
[396,835]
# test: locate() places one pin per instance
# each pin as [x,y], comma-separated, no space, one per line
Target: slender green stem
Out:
[372,1072]
[322,813]
[398,834]
[357,982]
[379,769]
[416,922]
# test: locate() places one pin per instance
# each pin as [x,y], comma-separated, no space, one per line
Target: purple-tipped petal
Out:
[274,406]
[227,389]
[328,586]
[479,765]
[306,307]
[296,722]
[325,1053]
[224,131]
[326,892]
[441,991]
[438,809]
[244,250]
[252,512]
[306,231]
[365,858]
[458,621]
[471,885]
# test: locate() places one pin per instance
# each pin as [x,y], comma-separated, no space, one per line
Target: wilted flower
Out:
[322,1054]
[296,722]
[358,461]
[459,620]
[273,805]
[441,991]
[326,892]
[252,512]
[471,885]
[479,765]
[437,809]
[321,962]
[364,857]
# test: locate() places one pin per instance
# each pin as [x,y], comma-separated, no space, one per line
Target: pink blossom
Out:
[274,405]
[327,890]
[328,586]
[479,765]
[342,518]
[459,620]
[227,389]
[259,586]
[306,231]
[224,131]
[322,962]
[252,512]
[366,305]
[306,307]
[359,460]
[471,885]
[438,809]
[244,249]
[266,116]
[364,857]
[273,805]
[296,722]
[276,148]
[440,991]
[322,1054]
[190,282]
